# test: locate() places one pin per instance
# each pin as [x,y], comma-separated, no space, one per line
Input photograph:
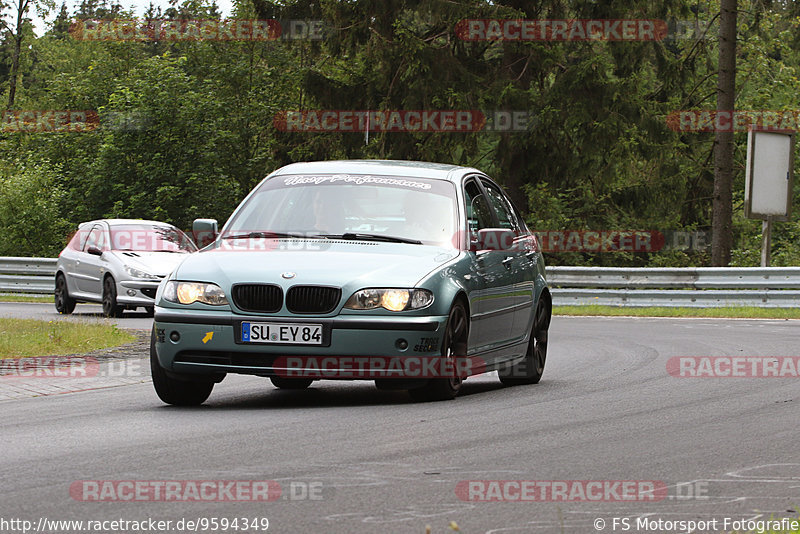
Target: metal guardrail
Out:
[676,277]
[675,298]
[27,275]
[777,287]
[770,287]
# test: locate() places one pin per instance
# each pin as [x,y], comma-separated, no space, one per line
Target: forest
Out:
[109,116]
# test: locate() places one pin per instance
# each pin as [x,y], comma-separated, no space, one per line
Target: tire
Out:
[530,370]
[110,306]
[454,346]
[64,303]
[172,391]
[290,383]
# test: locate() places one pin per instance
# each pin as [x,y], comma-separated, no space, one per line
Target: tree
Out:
[60,26]
[722,235]
[30,209]
[16,33]
[188,127]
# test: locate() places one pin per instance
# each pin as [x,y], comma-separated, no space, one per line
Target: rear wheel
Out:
[64,303]
[110,306]
[290,383]
[530,370]
[173,391]
[454,352]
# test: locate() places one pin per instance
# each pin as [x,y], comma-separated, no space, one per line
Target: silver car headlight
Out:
[133,272]
[190,292]
[390,299]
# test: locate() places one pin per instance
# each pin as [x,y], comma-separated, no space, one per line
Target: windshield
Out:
[409,209]
[150,238]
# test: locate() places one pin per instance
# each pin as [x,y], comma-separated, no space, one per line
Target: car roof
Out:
[417,169]
[115,222]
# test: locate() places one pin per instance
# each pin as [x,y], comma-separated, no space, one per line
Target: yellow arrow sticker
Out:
[208,337]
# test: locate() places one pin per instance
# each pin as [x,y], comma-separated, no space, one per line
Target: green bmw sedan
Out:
[414,275]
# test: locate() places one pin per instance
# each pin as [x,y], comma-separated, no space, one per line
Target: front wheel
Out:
[290,383]
[172,391]
[64,303]
[530,370]
[110,306]
[454,353]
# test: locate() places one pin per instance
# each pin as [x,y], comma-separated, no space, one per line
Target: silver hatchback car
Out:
[119,263]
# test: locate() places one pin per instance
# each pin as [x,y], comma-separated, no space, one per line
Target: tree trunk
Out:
[22,9]
[722,234]
[12,82]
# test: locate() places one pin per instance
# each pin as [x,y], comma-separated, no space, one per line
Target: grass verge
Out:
[20,338]
[729,312]
[26,298]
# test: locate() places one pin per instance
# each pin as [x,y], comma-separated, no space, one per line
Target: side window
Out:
[505,213]
[478,211]
[78,240]
[96,239]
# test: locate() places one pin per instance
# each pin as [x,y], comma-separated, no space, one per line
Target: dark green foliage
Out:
[187,127]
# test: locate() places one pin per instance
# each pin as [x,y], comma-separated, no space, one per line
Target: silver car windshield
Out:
[150,238]
[391,208]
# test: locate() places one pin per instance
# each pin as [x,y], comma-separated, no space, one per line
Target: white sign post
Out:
[768,181]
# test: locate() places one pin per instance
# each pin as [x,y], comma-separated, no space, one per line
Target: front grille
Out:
[312,299]
[260,298]
[149,292]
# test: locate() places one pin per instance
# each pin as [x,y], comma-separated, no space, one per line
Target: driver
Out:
[328,212]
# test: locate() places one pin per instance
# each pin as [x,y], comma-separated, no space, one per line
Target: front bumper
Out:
[137,292]
[354,347]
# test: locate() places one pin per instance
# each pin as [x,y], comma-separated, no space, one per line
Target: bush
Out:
[31,203]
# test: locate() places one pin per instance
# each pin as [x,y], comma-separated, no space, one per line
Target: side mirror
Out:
[474,242]
[204,231]
[94,251]
[494,239]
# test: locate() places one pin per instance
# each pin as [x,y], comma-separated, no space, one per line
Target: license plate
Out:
[295,333]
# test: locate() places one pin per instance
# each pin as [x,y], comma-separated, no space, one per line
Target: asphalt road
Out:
[606,410]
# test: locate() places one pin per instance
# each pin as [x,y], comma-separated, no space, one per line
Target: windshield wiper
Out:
[253,235]
[153,250]
[375,237]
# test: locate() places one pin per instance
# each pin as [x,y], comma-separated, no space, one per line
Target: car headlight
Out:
[189,292]
[133,272]
[390,299]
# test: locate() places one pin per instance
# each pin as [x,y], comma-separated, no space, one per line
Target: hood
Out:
[157,263]
[345,264]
